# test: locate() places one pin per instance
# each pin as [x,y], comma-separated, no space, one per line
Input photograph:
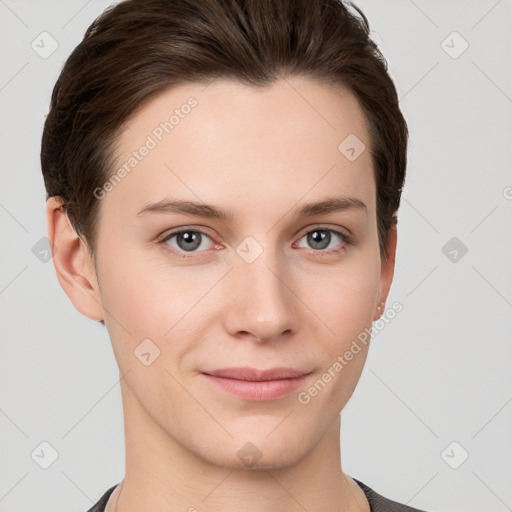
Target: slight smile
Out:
[257,385]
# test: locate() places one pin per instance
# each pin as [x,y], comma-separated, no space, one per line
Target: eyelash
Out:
[346,239]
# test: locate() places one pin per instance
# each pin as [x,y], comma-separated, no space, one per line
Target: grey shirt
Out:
[377,502]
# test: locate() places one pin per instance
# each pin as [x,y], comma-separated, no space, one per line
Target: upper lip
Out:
[254,374]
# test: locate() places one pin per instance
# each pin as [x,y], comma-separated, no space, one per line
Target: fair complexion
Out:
[261,155]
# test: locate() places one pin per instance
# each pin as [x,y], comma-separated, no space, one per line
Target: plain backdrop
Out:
[430,423]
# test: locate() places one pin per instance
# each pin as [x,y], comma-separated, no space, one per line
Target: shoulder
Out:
[379,503]
[100,506]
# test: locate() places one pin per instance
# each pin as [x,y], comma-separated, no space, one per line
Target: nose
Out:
[261,304]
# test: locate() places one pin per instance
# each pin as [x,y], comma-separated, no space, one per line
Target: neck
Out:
[163,475]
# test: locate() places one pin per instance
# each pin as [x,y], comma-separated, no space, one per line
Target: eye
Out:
[320,239]
[192,241]
[187,240]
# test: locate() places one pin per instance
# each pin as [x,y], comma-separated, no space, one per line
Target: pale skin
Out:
[260,154]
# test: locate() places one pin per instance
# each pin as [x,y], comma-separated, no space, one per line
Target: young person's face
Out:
[254,290]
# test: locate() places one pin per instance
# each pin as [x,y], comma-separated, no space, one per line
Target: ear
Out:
[386,273]
[73,262]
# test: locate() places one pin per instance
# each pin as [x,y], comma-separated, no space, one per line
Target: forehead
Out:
[215,141]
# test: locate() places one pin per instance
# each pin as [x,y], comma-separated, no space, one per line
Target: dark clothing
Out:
[380,504]
[377,502]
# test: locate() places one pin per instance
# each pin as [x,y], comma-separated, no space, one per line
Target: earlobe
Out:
[387,272]
[378,312]
[73,262]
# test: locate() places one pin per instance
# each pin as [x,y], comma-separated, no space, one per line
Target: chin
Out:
[256,451]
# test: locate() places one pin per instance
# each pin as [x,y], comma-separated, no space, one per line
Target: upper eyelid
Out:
[347,238]
[177,231]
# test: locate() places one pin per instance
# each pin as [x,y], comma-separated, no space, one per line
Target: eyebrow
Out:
[329,205]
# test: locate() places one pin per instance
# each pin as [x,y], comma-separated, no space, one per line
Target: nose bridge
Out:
[262,301]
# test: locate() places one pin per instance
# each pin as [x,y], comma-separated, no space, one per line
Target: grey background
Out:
[438,373]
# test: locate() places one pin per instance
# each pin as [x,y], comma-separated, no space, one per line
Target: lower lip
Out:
[257,390]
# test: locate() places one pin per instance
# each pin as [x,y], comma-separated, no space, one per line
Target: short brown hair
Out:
[139,48]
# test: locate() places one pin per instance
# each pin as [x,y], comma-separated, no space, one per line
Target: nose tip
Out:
[262,306]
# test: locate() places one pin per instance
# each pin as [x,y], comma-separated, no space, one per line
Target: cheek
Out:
[344,300]
[146,298]
[136,289]
[130,300]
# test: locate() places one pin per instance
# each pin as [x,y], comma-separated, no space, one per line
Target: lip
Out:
[257,385]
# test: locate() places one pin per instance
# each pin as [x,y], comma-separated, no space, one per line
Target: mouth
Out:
[257,385]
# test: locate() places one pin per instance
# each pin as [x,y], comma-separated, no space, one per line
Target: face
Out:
[237,272]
